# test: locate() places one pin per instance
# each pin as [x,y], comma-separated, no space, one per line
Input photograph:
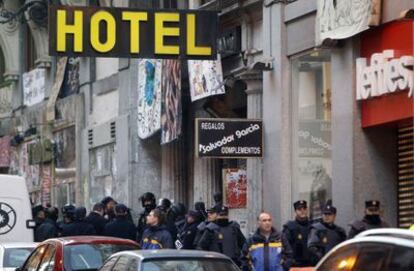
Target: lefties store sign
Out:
[132,33]
[384,75]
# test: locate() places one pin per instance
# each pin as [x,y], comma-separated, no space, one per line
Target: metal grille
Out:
[406,177]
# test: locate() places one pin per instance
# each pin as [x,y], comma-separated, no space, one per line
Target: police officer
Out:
[223,236]
[187,233]
[156,235]
[267,249]
[371,220]
[166,207]
[121,226]
[49,228]
[296,232]
[325,234]
[109,204]
[211,214]
[77,226]
[148,202]
[96,218]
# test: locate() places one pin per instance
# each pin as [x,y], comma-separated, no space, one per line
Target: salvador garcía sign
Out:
[229,138]
[132,33]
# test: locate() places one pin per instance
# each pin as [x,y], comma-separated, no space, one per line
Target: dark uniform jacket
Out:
[323,238]
[77,228]
[226,239]
[48,229]
[296,233]
[157,237]
[97,221]
[187,235]
[121,227]
[273,254]
[200,231]
[142,224]
[365,224]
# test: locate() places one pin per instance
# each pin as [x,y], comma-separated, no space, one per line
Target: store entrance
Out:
[406,176]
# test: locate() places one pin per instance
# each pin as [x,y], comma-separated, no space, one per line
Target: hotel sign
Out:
[384,75]
[132,33]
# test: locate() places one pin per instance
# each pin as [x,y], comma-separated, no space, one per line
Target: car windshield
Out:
[14,257]
[188,265]
[90,256]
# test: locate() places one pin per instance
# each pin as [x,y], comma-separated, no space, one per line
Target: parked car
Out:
[372,250]
[15,205]
[75,253]
[168,260]
[13,255]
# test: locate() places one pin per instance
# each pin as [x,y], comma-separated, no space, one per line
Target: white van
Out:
[16,224]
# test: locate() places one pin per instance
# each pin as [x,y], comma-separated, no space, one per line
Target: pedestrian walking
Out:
[371,220]
[121,226]
[325,235]
[296,232]
[96,218]
[267,249]
[156,235]
[223,236]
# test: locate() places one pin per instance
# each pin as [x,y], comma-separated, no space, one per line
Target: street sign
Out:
[132,33]
[229,138]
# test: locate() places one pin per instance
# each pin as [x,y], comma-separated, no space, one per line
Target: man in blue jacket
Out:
[156,235]
[267,249]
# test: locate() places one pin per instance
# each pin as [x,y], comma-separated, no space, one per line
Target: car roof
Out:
[172,253]
[18,245]
[74,240]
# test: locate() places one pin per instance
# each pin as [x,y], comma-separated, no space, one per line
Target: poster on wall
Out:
[5,101]
[70,84]
[235,182]
[171,118]
[149,97]
[46,184]
[206,78]
[34,86]
[5,149]
[342,19]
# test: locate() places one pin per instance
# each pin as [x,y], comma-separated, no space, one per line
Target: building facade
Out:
[71,125]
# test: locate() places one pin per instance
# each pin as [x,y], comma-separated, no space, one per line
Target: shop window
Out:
[312,164]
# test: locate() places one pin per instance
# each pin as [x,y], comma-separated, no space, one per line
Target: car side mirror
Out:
[30,224]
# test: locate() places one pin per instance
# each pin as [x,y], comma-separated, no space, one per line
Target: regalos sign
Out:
[384,75]
[115,32]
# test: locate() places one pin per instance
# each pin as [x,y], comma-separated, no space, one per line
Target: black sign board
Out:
[229,138]
[132,33]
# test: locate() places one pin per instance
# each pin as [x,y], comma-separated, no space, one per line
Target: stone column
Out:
[173,181]
[254,87]
[205,176]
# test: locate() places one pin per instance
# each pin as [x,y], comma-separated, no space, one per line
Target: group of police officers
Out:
[301,243]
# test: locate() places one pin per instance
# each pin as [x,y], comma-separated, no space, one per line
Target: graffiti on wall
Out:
[235,181]
[149,97]
[206,78]
[171,116]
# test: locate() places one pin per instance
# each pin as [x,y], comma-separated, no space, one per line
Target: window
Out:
[311,106]
[341,260]
[48,261]
[373,257]
[90,256]
[188,265]
[108,265]
[402,259]
[121,264]
[33,262]
[15,257]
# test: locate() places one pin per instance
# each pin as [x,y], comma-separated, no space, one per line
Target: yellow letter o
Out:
[109,44]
